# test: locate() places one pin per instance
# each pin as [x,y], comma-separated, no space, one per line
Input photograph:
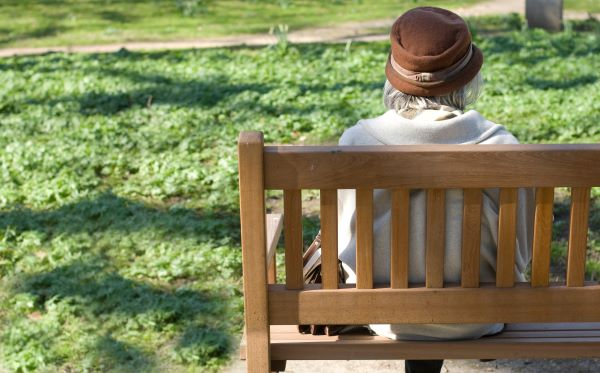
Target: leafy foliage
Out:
[191,7]
[119,236]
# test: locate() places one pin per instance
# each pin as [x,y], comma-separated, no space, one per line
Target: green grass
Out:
[28,23]
[37,23]
[119,232]
[583,5]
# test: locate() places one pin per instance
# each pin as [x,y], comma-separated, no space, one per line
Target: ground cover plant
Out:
[119,232]
[73,22]
[584,5]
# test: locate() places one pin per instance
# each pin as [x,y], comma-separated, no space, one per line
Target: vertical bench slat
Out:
[329,242]
[471,238]
[254,244]
[292,233]
[507,234]
[272,271]
[542,237]
[399,238]
[273,231]
[364,238]
[580,210]
[435,240]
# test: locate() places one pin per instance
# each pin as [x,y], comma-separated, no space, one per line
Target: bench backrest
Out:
[400,169]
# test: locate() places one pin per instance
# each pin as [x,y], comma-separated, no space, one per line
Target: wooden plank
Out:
[507,234]
[380,349]
[272,270]
[254,262]
[411,350]
[523,330]
[505,337]
[554,334]
[435,240]
[542,237]
[329,242]
[289,344]
[552,326]
[399,238]
[471,238]
[431,166]
[364,238]
[292,234]
[527,330]
[486,304]
[274,227]
[578,231]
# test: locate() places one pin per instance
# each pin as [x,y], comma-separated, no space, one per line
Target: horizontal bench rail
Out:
[431,166]
[455,304]
[498,172]
[535,340]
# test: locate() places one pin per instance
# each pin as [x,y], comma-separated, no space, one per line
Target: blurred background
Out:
[119,228]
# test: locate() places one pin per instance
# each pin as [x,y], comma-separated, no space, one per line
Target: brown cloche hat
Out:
[432,53]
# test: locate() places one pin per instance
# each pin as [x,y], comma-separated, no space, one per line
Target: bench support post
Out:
[253,227]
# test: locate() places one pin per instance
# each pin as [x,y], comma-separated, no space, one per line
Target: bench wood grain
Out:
[544,320]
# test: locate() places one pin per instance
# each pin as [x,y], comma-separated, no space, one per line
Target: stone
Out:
[546,14]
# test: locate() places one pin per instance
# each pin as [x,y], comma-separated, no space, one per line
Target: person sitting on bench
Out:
[433,73]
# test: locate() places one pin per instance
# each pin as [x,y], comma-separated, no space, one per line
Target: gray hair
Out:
[459,99]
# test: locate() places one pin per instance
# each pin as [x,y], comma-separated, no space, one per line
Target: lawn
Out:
[583,5]
[119,232]
[27,23]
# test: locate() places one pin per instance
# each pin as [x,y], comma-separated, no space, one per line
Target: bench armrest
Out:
[274,227]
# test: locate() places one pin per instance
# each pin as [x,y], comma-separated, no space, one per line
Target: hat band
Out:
[434,78]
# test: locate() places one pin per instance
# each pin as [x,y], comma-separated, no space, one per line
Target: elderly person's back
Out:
[432,75]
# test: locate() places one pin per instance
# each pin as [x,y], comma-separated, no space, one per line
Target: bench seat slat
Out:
[553,326]
[551,334]
[570,342]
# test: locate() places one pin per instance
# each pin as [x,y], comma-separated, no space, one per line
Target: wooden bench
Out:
[545,320]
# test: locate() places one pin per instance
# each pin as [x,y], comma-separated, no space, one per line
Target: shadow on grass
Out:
[115,16]
[544,84]
[108,211]
[200,320]
[102,296]
[159,90]
[41,32]
[535,46]
[162,88]
[193,93]
[116,354]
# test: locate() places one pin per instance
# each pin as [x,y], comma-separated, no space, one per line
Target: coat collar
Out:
[463,128]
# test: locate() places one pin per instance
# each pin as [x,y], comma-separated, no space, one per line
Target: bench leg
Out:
[278,365]
[257,355]
[423,366]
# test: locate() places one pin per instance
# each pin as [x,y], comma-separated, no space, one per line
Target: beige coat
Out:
[431,127]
